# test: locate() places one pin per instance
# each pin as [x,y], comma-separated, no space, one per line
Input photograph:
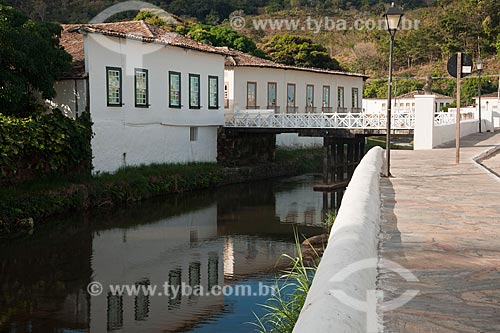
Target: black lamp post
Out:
[393,18]
[479,68]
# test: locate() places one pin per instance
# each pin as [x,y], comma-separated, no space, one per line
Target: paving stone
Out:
[441,221]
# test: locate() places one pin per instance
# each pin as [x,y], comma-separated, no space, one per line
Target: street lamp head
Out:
[479,64]
[393,17]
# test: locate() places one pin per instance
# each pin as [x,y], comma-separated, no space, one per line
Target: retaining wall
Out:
[353,238]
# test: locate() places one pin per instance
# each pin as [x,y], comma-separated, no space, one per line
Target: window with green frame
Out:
[141,88]
[174,82]
[213,92]
[114,86]
[194,91]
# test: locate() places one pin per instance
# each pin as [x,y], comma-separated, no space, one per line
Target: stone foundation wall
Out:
[236,148]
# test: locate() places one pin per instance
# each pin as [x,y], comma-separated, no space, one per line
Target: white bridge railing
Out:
[319,120]
[447,118]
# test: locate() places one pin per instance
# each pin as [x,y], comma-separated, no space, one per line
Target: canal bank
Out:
[232,236]
[24,205]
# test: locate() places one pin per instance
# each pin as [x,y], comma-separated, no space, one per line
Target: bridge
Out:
[344,133]
[356,123]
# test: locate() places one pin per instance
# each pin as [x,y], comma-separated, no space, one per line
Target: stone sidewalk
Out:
[442,222]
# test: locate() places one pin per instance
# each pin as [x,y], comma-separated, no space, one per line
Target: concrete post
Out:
[424,121]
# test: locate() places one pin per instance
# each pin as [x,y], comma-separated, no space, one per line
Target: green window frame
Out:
[141,91]
[213,92]
[174,90]
[114,86]
[194,91]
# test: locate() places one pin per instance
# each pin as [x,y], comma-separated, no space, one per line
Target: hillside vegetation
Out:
[438,28]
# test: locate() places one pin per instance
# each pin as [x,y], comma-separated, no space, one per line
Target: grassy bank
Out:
[282,309]
[398,142]
[31,202]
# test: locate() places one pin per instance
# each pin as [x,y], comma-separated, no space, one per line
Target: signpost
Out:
[459,66]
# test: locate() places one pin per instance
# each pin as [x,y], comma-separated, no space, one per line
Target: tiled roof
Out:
[73,44]
[236,58]
[72,39]
[412,94]
[490,95]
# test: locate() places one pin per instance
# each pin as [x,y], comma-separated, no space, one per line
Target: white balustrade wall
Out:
[435,128]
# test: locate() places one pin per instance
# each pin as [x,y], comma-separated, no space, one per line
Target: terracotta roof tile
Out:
[73,44]
[72,39]
[490,95]
[236,58]
[420,92]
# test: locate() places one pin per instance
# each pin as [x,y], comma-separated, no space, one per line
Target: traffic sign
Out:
[466,65]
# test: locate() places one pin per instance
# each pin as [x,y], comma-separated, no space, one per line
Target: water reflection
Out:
[228,237]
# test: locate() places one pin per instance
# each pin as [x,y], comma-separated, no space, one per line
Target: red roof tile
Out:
[421,92]
[236,58]
[72,39]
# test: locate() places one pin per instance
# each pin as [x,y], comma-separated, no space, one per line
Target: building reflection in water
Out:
[43,281]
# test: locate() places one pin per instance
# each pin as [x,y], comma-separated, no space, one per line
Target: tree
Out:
[299,51]
[221,36]
[31,59]
[498,46]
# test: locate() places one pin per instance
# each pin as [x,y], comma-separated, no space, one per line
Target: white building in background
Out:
[154,95]
[252,84]
[490,107]
[403,103]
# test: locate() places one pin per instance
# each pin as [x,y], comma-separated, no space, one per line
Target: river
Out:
[231,238]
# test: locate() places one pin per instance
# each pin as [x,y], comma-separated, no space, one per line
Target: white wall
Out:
[70,97]
[282,77]
[157,134]
[379,105]
[239,76]
[426,134]
[353,239]
[490,109]
[447,133]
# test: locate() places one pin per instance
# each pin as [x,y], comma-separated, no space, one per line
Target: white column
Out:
[424,121]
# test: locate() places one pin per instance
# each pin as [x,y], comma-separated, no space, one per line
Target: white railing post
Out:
[424,121]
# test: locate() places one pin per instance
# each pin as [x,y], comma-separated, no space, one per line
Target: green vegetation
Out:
[291,288]
[221,36]
[42,145]
[57,194]
[444,27]
[379,141]
[30,61]
[329,221]
[306,160]
[299,51]
[378,88]
[52,195]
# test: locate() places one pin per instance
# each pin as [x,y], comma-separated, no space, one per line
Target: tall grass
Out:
[282,309]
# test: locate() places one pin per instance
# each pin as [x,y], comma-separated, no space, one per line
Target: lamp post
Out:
[393,18]
[479,68]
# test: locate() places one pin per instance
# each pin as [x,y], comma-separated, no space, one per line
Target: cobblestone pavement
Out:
[442,222]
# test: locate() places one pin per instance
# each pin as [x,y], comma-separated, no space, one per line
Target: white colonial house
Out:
[252,84]
[153,94]
[490,107]
[403,103]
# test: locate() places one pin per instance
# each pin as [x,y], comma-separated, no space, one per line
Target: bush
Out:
[44,144]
